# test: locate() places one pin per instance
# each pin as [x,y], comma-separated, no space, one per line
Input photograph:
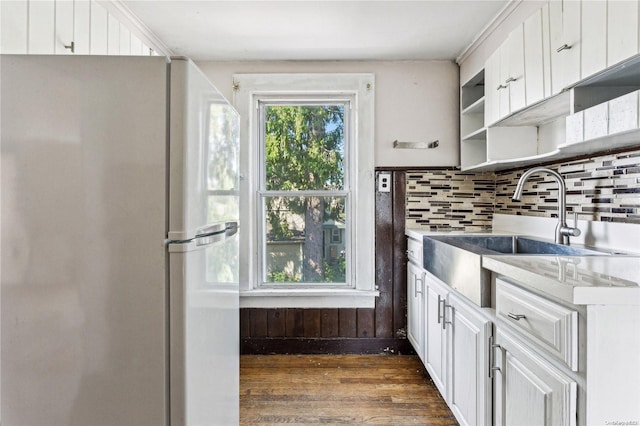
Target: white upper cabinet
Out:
[99,29]
[492,87]
[504,78]
[537,57]
[566,57]
[564,29]
[82,27]
[594,37]
[514,76]
[64,27]
[41,27]
[623,39]
[113,36]
[13,31]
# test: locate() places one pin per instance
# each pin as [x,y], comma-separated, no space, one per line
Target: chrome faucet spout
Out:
[563,232]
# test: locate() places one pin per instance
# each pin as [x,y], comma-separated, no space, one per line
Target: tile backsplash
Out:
[603,188]
[446,200]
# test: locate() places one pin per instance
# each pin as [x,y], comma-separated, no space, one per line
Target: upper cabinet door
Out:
[64,27]
[515,76]
[13,31]
[505,78]
[622,32]
[493,87]
[564,27]
[41,27]
[594,37]
[99,29]
[537,65]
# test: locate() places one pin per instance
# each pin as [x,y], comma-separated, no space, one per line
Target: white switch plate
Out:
[384,182]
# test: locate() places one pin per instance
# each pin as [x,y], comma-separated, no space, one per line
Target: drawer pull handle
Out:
[516,317]
[563,47]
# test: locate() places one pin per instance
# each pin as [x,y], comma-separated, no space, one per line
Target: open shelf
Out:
[475,108]
[480,134]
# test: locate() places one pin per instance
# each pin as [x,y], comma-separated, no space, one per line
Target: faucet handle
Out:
[576,231]
[572,231]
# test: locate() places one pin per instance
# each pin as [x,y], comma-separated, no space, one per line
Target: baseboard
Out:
[292,345]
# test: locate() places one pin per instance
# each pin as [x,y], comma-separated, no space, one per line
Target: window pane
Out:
[300,239]
[304,147]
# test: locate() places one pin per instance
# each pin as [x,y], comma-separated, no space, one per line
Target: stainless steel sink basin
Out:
[457,259]
[507,244]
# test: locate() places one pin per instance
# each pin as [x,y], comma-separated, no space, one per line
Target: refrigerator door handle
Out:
[230,229]
[216,228]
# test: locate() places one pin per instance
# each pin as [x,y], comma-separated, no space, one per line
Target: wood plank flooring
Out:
[339,389]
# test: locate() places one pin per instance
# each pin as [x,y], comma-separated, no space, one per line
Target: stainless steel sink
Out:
[457,259]
[508,244]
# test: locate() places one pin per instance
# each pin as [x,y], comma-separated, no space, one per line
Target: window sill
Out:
[308,298]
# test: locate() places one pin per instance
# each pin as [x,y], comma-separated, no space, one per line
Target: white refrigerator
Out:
[119,251]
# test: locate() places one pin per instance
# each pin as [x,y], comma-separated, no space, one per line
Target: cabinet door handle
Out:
[510,79]
[492,357]
[516,317]
[444,313]
[415,284]
[563,47]
[501,86]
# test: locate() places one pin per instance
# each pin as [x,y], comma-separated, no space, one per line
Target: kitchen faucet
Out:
[563,232]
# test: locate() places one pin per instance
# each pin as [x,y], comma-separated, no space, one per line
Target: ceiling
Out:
[316,29]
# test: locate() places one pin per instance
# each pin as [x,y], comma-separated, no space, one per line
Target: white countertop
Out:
[579,280]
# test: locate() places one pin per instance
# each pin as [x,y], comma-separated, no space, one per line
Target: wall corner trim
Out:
[488,30]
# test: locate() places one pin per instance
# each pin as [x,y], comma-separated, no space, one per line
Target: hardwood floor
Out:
[339,389]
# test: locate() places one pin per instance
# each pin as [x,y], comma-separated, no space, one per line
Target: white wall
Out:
[416,101]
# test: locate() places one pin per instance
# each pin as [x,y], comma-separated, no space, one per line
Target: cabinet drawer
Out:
[414,250]
[546,324]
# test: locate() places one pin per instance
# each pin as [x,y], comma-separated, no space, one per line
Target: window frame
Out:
[248,90]
[263,101]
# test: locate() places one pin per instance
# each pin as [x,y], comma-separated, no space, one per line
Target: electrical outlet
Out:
[384,182]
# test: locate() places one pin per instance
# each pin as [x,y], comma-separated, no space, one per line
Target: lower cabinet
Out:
[527,389]
[415,307]
[469,335]
[513,364]
[457,347]
[435,332]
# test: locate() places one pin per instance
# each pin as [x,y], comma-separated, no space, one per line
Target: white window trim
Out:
[248,87]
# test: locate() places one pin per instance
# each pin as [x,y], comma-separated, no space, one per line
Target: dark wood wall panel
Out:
[399,244]
[347,323]
[346,330]
[384,264]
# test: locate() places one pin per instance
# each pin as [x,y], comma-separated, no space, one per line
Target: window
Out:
[304,189]
[307,190]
